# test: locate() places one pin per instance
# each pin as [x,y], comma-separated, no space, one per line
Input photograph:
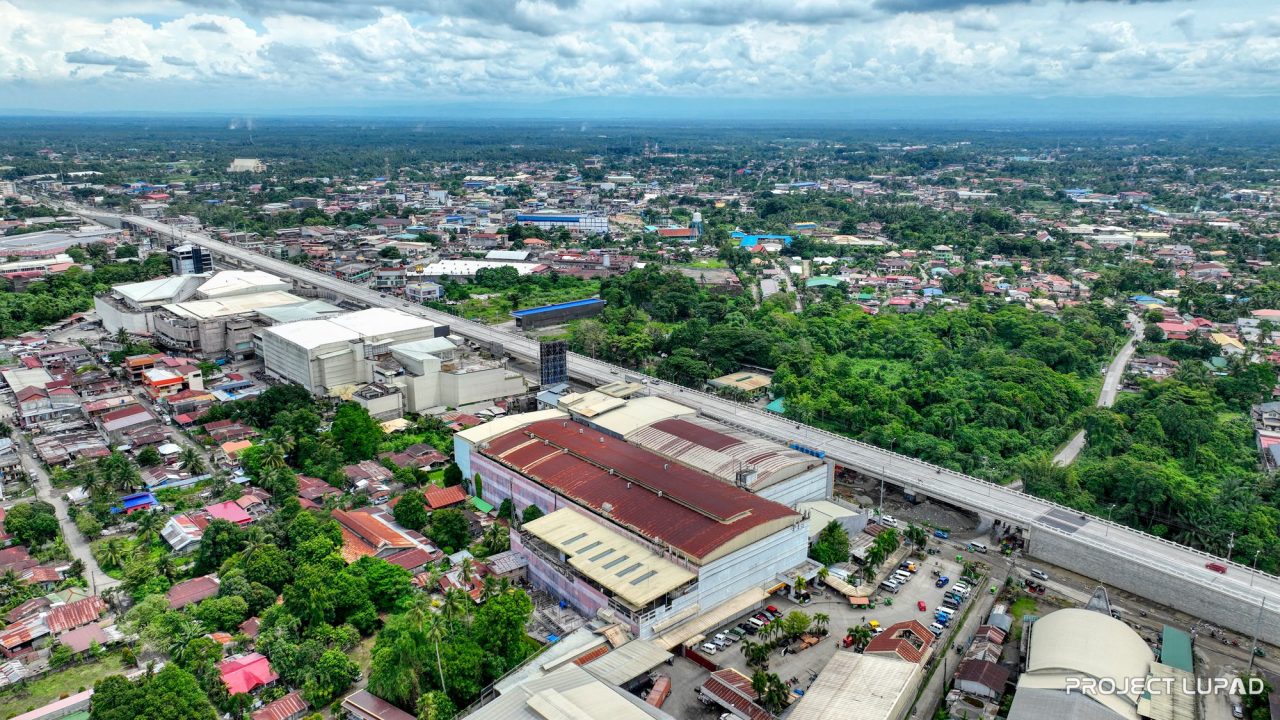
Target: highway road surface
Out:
[1110,386]
[996,501]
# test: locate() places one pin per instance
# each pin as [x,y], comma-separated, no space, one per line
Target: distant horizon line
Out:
[927,109]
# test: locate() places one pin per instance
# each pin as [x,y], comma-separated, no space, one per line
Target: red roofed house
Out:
[289,707]
[192,591]
[229,511]
[73,615]
[909,640]
[246,673]
[438,497]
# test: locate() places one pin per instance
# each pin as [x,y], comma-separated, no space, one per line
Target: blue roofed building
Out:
[560,313]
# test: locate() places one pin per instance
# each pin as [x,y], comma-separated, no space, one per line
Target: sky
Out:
[307,56]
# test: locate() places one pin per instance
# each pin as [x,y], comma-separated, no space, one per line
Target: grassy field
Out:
[53,686]
[1017,609]
[496,307]
[707,263]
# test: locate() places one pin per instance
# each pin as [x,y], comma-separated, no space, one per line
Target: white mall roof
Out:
[639,413]
[232,305]
[240,282]
[370,323]
[165,288]
[502,426]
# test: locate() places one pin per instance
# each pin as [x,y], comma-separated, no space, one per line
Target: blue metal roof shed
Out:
[558,306]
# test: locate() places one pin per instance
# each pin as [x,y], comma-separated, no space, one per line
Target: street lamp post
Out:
[1256,553]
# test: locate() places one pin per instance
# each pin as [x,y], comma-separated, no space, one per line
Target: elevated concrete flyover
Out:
[1148,566]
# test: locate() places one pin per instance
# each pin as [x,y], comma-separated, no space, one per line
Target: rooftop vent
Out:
[607,507]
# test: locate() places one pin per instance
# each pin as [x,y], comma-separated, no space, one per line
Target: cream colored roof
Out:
[1084,643]
[240,282]
[232,305]
[504,425]
[747,381]
[1173,705]
[854,686]
[822,512]
[676,631]
[631,571]
[639,413]
[590,404]
[164,288]
[569,693]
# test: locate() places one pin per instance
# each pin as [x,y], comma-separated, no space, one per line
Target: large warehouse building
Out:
[676,432]
[667,549]
[204,314]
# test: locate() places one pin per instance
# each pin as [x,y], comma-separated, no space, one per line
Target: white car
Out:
[888,521]
[708,649]
[723,640]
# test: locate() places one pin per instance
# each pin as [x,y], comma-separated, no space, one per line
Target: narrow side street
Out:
[1107,396]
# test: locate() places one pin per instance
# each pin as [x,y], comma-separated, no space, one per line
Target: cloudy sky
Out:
[262,55]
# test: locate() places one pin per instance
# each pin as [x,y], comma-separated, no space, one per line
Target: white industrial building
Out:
[668,550]
[212,328]
[854,686]
[465,270]
[131,306]
[413,364]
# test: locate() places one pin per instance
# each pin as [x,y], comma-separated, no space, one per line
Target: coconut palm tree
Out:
[10,585]
[433,628]
[918,536]
[180,641]
[820,621]
[113,552]
[273,457]
[823,573]
[191,461]
[149,526]
[861,636]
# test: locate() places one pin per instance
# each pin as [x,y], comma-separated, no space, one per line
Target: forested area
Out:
[56,297]
[1178,460]
[973,389]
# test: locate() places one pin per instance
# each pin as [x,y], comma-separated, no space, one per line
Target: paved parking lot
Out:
[687,676]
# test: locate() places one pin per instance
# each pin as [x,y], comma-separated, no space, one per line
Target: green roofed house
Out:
[823,281]
[481,505]
[1175,649]
[778,405]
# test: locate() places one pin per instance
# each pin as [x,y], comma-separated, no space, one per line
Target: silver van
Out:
[1039,574]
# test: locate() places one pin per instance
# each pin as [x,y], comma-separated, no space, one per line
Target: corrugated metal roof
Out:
[853,686]
[628,661]
[715,449]
[73,615]
[735,689]
[694,513]
[631,571]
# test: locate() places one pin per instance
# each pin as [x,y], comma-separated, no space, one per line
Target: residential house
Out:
[908,640]
[247,673]
[192,591]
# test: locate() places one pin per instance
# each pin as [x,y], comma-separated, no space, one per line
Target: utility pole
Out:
[1253,647]
[1231,544]
[1256,553]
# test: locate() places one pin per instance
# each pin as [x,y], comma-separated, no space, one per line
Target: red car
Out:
[920,604]
[1217,567]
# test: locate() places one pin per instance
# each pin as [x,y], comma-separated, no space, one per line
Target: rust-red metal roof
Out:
[73,615]
[661,500]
